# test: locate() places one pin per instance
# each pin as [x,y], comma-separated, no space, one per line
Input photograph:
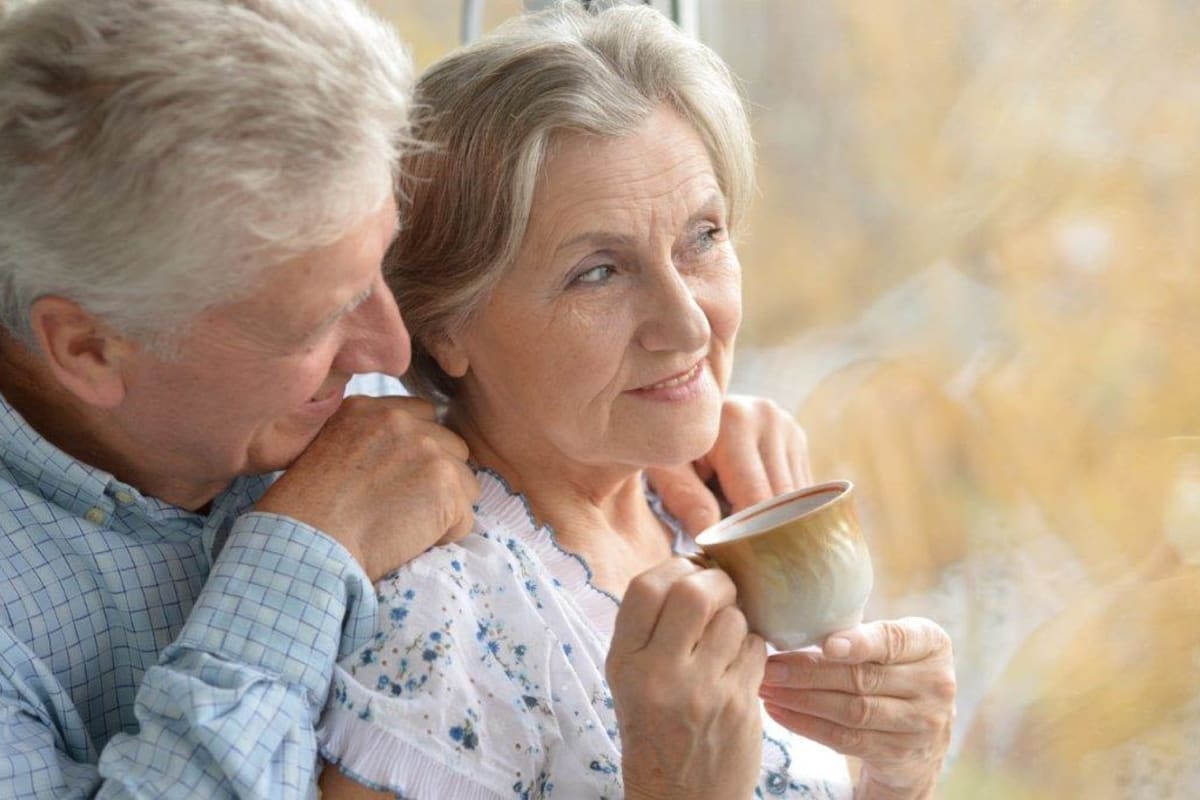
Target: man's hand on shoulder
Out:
[761,451]
[384,479]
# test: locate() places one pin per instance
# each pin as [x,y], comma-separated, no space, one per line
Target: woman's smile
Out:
[681,386]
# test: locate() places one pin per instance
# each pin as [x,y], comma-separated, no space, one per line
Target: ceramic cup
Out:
[799,562]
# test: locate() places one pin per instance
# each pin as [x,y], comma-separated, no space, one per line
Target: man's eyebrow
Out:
[353,303]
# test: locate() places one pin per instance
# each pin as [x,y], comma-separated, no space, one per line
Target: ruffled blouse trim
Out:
[500,507]
[377,757]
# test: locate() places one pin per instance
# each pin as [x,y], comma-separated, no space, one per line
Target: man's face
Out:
[254,380]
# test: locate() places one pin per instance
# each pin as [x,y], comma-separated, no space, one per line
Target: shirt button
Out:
[123,497]
[96,516]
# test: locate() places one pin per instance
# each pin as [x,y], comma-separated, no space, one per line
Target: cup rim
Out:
[836,488]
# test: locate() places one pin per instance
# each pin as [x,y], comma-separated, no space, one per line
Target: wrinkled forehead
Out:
[661,174]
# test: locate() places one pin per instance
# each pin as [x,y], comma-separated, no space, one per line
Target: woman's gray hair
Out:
[490,111]
[157,157]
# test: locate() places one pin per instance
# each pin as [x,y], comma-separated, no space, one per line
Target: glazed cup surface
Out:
[799,561]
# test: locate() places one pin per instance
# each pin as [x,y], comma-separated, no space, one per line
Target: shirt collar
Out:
[98,496]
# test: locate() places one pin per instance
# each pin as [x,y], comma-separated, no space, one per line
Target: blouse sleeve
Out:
[445,700]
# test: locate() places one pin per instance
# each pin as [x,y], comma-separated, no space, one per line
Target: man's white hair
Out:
[156,156]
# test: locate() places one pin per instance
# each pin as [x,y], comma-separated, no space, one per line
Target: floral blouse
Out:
[486,678]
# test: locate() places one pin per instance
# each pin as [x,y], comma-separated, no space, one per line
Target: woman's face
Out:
[610,340]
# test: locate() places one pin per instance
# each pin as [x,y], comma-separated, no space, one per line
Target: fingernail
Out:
[775,672]
[836,647]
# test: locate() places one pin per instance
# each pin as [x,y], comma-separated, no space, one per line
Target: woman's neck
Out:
[598,512]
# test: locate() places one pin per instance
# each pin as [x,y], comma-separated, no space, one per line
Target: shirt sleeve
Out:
[34,760]
[230,708]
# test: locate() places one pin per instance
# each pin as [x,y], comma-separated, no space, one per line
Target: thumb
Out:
[685,497]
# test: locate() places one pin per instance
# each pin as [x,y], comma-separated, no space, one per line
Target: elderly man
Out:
[195,197]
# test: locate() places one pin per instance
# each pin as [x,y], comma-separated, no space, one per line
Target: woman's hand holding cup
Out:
[684,673]
[881,691]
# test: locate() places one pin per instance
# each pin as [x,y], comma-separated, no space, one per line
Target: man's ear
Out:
[450,355]
[84,354]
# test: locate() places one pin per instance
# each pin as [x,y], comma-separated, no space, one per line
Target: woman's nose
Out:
[672,317]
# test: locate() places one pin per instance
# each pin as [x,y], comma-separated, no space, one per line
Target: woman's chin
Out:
[681,449]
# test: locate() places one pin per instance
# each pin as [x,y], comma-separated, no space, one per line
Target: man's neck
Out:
[83,432]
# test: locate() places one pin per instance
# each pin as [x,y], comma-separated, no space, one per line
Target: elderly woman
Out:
[568,275]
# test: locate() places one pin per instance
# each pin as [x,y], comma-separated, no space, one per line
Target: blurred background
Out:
[971,273]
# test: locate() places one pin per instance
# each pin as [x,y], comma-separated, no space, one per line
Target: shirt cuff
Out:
[284,598]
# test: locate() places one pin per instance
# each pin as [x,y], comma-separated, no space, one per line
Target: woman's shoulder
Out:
[495,552]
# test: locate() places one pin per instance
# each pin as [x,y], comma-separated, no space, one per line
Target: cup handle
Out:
[702,560]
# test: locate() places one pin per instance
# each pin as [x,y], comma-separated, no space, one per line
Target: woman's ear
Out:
[450,354]
[84,353]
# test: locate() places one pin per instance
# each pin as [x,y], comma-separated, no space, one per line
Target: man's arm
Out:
[229,710]
[36,720]
[231,706]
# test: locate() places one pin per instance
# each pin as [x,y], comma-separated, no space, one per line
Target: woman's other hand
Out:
[883,692]
[684,674]
[761,451]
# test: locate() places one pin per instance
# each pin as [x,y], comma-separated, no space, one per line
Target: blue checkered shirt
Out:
[132,663]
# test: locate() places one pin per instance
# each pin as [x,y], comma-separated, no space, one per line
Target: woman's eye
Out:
[595,274]
[709,237]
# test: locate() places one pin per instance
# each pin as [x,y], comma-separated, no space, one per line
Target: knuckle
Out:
[690,592]
[756,655]
[769,408]
[930,720]
[896,750]
[355,403]
[736,621]
[945,688]
[643,589]
[861,711]
[847,740]
[896,639]
[866,678]
[737,411]
[445,474]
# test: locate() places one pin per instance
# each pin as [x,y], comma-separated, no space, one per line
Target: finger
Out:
[869,745]
[686,497]
[888,714]
[899,641]
[449,441]
[738,465]
[747,670]
[778,465]
[722,641]
[413,406]
[690,605]
[797,452]
[801,671]
[642,604]
[463,525]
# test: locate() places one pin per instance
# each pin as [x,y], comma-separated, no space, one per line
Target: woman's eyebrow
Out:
[714,202]
[596,239]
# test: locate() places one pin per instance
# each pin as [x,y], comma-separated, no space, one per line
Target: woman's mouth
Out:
[677,387]
[678,380]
